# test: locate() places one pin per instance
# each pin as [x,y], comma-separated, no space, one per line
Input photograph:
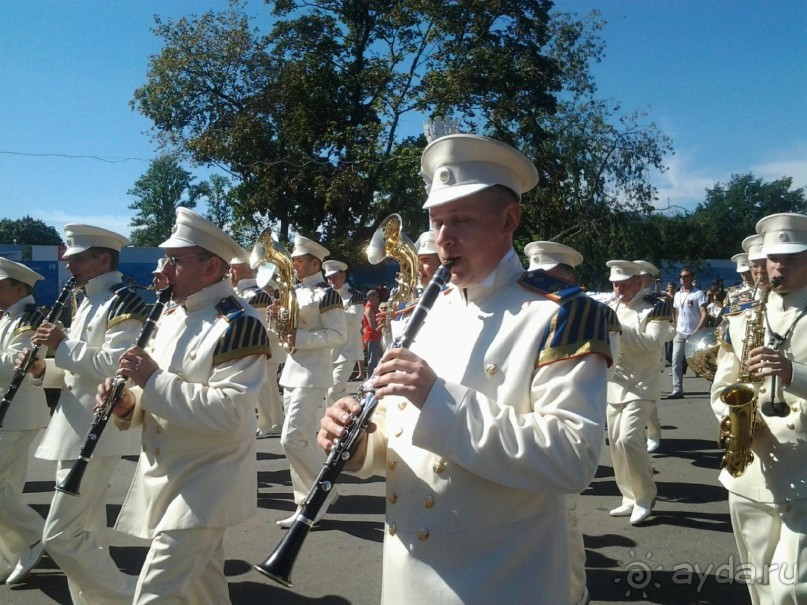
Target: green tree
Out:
[28,231]
[163,188]
[314,118]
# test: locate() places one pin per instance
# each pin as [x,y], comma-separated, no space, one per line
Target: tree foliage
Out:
[163,188]
[28,231]
[314,118]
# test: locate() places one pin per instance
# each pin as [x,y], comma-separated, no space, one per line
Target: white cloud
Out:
[792,163]
[58,219]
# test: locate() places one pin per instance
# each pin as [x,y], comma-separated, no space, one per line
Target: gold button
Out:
[439,466]
[791,426]
[429,502]
[762,390]
[192,355]
[399,431]
[70,387]
[159,429]
[491,369]
[391,529]
[423,534]
[392,497]
[391,464]
[795,408]
[157,451]
[402,404]
[89,328]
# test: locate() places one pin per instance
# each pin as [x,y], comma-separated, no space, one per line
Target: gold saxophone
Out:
[737,429]
[389,241]
[272,262]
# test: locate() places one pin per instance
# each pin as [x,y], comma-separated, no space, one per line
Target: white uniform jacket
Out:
[29,408]
[321,327]
[646,325]
[197,462]
[107,322]
[778,472]
[476,511]
[353,303]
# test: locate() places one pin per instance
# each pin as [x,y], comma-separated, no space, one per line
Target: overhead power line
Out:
[110,160]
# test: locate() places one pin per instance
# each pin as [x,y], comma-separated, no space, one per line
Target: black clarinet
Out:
[21,370]
[72,482]
[278,565]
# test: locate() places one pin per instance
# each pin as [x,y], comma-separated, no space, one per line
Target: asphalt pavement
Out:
[683,554]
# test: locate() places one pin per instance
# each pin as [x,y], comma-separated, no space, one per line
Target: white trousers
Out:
[303,413]
[74,538]
[633,468]
[270,404]
[342,372]
[653,422]
[20,525]
[772,543]
[184,567]
[577,550]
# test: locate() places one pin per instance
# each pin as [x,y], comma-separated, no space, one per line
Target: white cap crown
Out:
[548,255]
[623,269]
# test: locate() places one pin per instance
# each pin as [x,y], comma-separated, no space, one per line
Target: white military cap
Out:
[191,230]
[458,165]
[83,237]
[18,271]
[303,246]
[784,233]
[741,260]
[333,266]
[753,247]
[160,265]
[425,243]
[623,269]
[241,259]
[548,255]
[648,268]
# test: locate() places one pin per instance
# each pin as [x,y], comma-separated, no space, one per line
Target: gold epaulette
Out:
[244,336]
[29,320]
[579,327]
[330,300]
[127,305]
[542,282]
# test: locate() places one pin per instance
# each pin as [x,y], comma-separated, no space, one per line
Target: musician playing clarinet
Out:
[106,322]
[197,383]
[495,413]
[20,525]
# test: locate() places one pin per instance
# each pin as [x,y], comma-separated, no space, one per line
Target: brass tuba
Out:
[272,262]
[389,241]
[737,429]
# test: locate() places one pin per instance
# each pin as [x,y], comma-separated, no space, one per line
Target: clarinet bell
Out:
[72,482]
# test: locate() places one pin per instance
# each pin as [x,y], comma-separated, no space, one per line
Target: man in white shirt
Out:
[689,316]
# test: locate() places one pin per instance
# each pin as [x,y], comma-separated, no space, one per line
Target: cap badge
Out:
[444,174]
[783,236]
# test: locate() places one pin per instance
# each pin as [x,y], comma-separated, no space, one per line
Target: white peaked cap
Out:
[459,165]
[241,259]
[548,255]
[623,269]
[83,237]
[648,268]
[160,265]
[303,246]
[192,230]
[741,260]
[18,271]
[331,267]
[425,244]
[784,233]
[753,247]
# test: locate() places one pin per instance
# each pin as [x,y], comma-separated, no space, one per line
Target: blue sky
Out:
[725,79]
